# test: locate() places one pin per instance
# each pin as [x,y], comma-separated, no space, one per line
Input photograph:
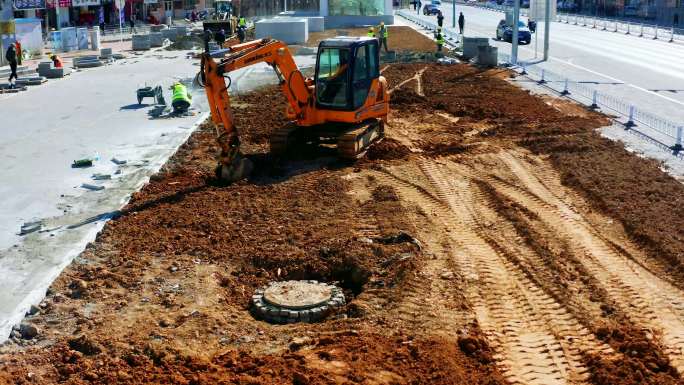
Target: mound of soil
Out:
[388,149]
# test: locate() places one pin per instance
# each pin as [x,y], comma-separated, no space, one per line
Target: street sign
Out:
[538,9]
[84,3]
[22,5]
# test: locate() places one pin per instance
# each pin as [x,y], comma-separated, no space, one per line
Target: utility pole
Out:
[516,20]
[547,28]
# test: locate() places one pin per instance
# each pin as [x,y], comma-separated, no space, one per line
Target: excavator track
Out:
[354,143]
[283,139]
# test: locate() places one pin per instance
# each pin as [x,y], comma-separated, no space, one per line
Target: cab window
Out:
[332,77]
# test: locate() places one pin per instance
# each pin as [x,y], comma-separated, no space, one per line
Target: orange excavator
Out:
[346,102]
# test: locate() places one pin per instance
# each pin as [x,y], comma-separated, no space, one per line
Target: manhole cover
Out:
[296,301]
[297,294]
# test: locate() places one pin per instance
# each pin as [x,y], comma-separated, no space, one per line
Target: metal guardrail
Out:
[653,31]
[112,33]
[664,132]
[450,34]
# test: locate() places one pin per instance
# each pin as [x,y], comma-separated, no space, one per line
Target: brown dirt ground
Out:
[401,38]
[509,195]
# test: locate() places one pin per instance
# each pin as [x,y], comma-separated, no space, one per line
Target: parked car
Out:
[430,9]
[505,32]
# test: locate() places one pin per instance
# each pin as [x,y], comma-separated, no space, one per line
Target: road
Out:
[644,72]
[90,113]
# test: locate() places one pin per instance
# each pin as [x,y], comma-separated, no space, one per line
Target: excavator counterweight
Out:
[346,102]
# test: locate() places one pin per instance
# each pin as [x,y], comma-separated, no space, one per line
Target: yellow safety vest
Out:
[243,22]
[384,32]
[440,40]
[371,34]
[180,93]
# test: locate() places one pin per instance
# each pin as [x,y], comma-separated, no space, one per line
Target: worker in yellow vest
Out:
[383,34]
[181,98]
[243,22]
[371,32]
[440,40]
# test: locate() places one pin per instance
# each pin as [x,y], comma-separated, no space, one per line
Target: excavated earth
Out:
[493,237]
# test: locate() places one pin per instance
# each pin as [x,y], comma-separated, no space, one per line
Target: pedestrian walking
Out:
[461,23]
[419,5]
[132,23]
[440,18]
[383,34]
[101,20]
[415,4]
[11,57]
[220,37]
[440,40]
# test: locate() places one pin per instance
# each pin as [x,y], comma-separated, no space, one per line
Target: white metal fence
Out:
[653,31]
[450,35]
[648,124]
[112,32]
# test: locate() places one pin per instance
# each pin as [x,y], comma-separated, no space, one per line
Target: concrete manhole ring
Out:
[296,301]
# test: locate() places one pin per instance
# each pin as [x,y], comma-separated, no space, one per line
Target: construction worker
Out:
[56,61]
[440,40]
[461,23]
[181,98]
[242,23]
[371,32]
[383,34]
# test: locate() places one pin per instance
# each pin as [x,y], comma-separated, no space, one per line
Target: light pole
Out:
[453,13]
[516,20]
[547,28]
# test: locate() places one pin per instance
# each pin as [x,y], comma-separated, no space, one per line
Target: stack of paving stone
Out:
[27,77]
[170,33]
[87,61]
[141,42]
[48,70]
[106,54]
[156,39]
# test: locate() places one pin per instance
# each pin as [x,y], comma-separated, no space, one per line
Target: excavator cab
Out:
[345,68]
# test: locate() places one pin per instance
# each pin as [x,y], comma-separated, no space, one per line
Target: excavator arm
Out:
[214,74]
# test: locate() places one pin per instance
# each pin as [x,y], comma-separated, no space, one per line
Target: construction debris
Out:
[30,227]
[92,187]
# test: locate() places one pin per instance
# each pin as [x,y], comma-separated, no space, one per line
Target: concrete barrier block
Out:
[471,44]
[316,23]
[141,42]
[170,34]
[287,29]
[487,56]
[156,39]
[95,39]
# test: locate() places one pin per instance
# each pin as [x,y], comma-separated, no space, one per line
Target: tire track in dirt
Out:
[539,341]
[648,301]
[536,340]
[425,296]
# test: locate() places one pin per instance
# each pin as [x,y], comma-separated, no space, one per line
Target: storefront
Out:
[351,13]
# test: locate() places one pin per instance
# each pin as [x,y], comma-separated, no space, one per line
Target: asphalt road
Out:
[641,71]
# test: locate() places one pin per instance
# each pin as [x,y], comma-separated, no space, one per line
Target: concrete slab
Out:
[290,30]
[141,42]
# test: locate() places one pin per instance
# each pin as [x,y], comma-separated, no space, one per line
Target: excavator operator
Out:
[337,81]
